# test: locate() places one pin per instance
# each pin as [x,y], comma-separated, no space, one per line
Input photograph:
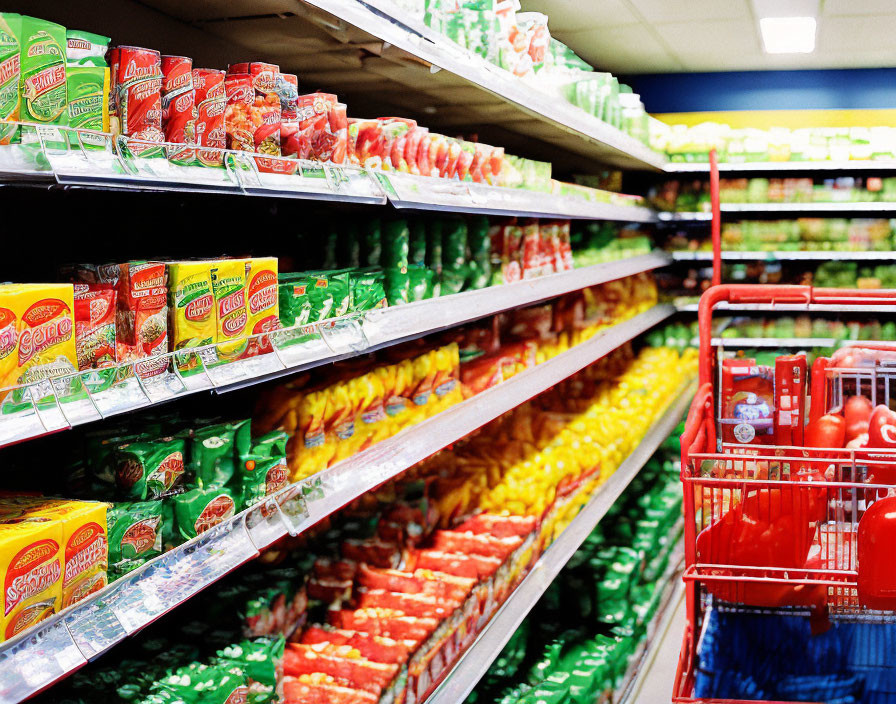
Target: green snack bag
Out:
[85,48]
[420,283]
[396,244]
[398,284]
[454,244]
[294,303]
[88,102]
[259,477]
[197,510]
[272,444]
[149,469]
[417,242]
[368,290]
[42,80]
[135,535]
[371,238]
[214,451]
[341,290]
[478,239]
[452,280]
[434,230]
[10,95]
[259,658]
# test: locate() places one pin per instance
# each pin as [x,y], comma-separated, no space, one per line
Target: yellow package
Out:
[229,290]
[397,381]
[85,545]
[310,452]
[262,302]
[9,338]
[370,414]
[191,310]
[45,330]
[340,422]
[31,568]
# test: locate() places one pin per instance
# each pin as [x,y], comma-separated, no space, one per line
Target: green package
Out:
[453,280]
[87,89]
[259,658]
[258,477]
[10,95]
[294,302]
[368,290]
[214,451]
[215,684]
[434,230]
[420,283]
[339,283]
[479,266]
[197,510]
[417,242]
[85,48]
[395,244]
[149,469]
[42,80]
[371,242]
[454,244]
[398,284]
[272,444]
[135,535]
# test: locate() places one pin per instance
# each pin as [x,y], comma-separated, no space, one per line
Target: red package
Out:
[142,310]
[423,159]
[790,399]
[534,321]
[412,146]
[394,129]
[419,582]
[451,163]
[479,163]
[481,373]
[367,142]
[360,673]
[748,397]
[499,526]
[288,92]
[375,648]
[335,569]
[496,165]
[338,122]
[261,115]
[418,605]
[473,566]
[296,691]
[178,100]
[95,325]
[211,103]
[564,260]
[329,590]
[465,160]
[323,128]
[138,83]
[383,622]
[371,552]
[473,544]
[531,249]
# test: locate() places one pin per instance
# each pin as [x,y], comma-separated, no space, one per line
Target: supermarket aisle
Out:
[655,685]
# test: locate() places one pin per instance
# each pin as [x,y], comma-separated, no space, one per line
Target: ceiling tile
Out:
[856,7]
[857,34]
[723,38]
[574,15]
[692,10]
[628,49]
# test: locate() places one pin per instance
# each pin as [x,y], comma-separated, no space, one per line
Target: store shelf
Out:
[666,216]
[380,61]
[57,647]
[771,166]
[820,255]
[774,342]
[59,404]
[844,207]
[479,656]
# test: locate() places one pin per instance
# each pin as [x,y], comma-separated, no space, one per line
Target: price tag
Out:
[265,523]
[344,335]
[37,660]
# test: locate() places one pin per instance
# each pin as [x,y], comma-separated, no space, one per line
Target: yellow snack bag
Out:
[311,452]
[9,341]
[262,302]
[191,307]
[397,393]
[340,424]
[370,415]
[85,545]
[229,290]
[31,568]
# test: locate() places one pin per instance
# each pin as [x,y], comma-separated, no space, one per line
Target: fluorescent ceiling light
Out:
[788,35]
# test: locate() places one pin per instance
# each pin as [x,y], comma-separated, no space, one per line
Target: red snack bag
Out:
[338,122]
[178,100]
[264,113]
[238,124]
[412,146]
[451,162]
[366,142]
[565,260]
[790,399]
[288,92]
[465,160]
[531,249]
[423,160]
[316,138]
[95,325]
[139,100]
[394,129]
[496,165]
[211,102]
[748,398]
[142,321]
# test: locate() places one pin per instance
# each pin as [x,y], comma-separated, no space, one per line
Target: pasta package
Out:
[229,290]
[191,302]
[262,302]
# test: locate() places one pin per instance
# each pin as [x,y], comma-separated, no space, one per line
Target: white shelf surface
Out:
[667,216]
[770,166]
[60,645]
[479,656]
[841,207]
[52,408]
[819,255]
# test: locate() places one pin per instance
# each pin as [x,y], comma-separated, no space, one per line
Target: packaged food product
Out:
[9,345]
[262,302]
[192,310]
[138,85]
[95,306]
[87,90]
[367,290]
[142,321]
[253,111]
[178,101]
[210,98]
[149,469]
[748,402]
[229,289]
[197,510]
[395,244]
[260,477]
[215,451]
[10,65]
[288,92]
[135,535]
[323,128]
[85,48]
[42,78]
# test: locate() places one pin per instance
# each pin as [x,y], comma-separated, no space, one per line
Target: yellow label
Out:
[191,306]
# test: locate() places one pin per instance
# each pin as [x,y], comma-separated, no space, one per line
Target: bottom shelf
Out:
[473,663]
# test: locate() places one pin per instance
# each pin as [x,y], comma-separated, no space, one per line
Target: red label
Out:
[142,535]
[262,291]
[276,478]
[85,549]
[233,302]
[47,328]
[233,326]
[9,69]
[200,308]
[238,695]
[44,81]
[32,571]
[218,509]
[8,334]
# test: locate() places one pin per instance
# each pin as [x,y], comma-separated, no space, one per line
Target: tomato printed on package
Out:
[95,315]
[253,110]
[229,289]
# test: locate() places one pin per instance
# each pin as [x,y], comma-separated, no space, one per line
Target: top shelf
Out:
[772,166]
[382,61]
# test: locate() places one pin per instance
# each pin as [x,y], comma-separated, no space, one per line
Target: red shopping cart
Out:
[788,528]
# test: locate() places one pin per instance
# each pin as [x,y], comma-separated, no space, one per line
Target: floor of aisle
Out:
[655,685]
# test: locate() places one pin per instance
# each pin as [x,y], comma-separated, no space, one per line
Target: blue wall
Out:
[766,90]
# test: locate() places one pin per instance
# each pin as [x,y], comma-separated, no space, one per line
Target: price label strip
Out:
[265,523]
[344,335]
[293,508]
[94,626]
[36,661]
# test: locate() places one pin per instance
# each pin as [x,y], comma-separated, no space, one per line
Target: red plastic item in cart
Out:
[877,568]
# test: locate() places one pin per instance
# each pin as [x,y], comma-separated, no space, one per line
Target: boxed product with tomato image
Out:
[748,402]
[192,317]
[256,114]
[95,306]
[229,290]
[262,303]
[31,557]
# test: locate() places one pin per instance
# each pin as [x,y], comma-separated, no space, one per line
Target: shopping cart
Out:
[778,530]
